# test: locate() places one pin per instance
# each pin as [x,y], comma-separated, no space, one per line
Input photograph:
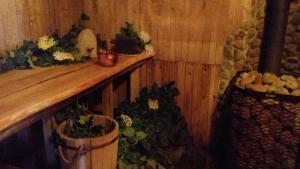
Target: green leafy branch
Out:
[128,40]
[29,54]
[158,132]
[83,127]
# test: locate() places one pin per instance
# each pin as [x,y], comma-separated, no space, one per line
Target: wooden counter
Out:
[25,93]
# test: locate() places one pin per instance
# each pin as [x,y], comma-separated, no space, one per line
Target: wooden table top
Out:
[23,93]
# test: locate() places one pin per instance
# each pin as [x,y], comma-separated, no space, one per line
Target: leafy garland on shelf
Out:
[46,51]
[153,132]
[129,41]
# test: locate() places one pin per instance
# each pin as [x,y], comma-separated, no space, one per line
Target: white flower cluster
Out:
[60,56]
[153,104]
[145,37]
[149,48]
[127,120]
[45,42]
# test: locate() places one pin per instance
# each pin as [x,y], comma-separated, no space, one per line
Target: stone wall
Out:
[242,47]
[291,56]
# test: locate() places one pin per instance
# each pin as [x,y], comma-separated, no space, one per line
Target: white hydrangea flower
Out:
[127,120]
[153,104]
[149,49]
[60,56]
[45,42]
[145,37]
[12,54]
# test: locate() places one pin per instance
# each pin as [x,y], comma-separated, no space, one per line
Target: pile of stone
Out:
[269,83]
[242,47]
[291,56]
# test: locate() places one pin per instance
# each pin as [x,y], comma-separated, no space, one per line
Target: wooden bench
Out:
[27,96]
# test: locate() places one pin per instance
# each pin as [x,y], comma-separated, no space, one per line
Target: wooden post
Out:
[274,35]
[108,99]
[134,83]
[49,147]
[25,146]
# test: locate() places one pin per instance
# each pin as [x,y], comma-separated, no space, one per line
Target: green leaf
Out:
[154,164]
[141,135]
[128,132]
[124,165]
[83,119]
[155,132]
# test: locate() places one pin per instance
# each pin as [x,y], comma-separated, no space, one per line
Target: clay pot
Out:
[107,58]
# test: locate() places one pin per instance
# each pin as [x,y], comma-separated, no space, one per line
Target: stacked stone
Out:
[269,83]
[291,57]
[265,131]
[255,40]
[242,48]
[234,56]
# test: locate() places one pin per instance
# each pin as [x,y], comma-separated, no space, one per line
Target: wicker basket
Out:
[90,153]
[265,129]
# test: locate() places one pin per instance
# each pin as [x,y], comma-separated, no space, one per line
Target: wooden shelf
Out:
[24,93]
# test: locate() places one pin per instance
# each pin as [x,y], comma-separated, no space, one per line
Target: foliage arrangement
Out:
[83,127]
[153,132]
[79,121]
[129,41]
[46,51]
[72,111]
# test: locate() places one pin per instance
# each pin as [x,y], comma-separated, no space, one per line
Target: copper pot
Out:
[107,58]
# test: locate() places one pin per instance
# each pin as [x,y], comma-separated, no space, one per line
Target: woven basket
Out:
[265,129]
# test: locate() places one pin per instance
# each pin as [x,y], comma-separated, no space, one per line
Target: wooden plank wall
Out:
[188,36]
[30,19]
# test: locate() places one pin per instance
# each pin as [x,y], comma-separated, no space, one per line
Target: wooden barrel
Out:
[90,153]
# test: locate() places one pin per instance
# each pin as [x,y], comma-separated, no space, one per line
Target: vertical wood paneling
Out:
[188,37]
[9,19]
[30,19]
[2,31]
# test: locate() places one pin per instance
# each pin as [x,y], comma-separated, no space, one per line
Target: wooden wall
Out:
[30,19]
[187,34]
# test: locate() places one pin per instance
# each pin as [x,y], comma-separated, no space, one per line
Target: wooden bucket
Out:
[90,153]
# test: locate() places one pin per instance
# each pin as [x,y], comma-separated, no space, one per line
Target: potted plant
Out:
[88,141]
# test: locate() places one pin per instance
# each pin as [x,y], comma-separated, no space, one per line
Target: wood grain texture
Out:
[101,151]
[19,106]
[29,19]
[108,100]
[189,31]
[197,84]
[188,37]
[21,79]
[134,84]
